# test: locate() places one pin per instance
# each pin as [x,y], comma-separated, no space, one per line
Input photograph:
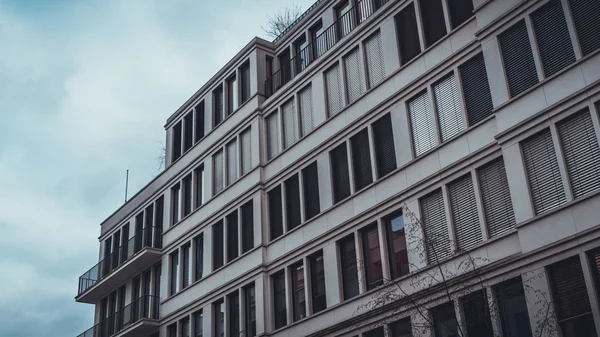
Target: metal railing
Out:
[322,43]
[145,307]
[147,237]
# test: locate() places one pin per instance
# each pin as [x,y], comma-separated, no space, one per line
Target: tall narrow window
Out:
[199,176]
[581,151]
[444,320]
[290,123]
[333,90]
[232,236]
[275,214]
[279,307]
[307,118]
[250,310]
[232,95]
[477,315]
[298,295]
[346,19]
[396,238]
[247,210]
[434,24]
[361,159]
[372,256]
[408,34]
[188,129]
[448,107]
[464,213]
[302,54]
[585,16]
[459,11]
[245,81]
[218,172]
[218,110]
[422,124]
[160,206]
[176,134]
[374,58]
[385,151]
[187,195]
[317,282]
[348,266]
[476,89]
[198,323]
[172,330]
[435,226]
[340,174]
[199,124]
[310,180]
[217,245]
[186,265]
[319,43]
[231,162]
[401,328]
[175,200]
[269,83]
[292,202]
[495,195]
[234,314]
[199,256]
[285,69]
[174,272]
[246,151]
[513,308]
[219,318]
[272,135]
[545,183]
[353,75]
[515,48]
[185,327]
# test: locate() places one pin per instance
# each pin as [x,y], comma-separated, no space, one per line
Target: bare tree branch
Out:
[280,21]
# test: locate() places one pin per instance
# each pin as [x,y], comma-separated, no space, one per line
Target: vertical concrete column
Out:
[591,288]
[494,311]
[401,127]
[255,143]
[325,184]
[208,268]
[207,320]
[332,275]
[495,71]
[263,303]
[164,286]
[517,183]
[168,146]
[391,54]
[257,213]
[208,177]
[257,72]
[420,324]
[208,112]
[539,303]
[460,316]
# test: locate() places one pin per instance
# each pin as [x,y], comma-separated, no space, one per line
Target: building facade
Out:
[383,168]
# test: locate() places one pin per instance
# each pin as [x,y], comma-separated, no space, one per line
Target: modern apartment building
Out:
[383,168]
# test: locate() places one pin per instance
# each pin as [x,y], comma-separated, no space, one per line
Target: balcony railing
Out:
[322,43]
[147,237]
[145,307]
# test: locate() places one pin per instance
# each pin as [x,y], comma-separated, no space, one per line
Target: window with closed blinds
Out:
[231,162]
[545,183]
[385,151]
[422,124]
[464,213]
[552,36]
[272,135]
[199,256]
[292,202]
[290,123]
[247,226]
[217,172]
[519,65]
[447,104]
[476,89]
[495,195]
[186,265]
[375,62]
[434,24]
[340,173]
[275,214]
[246,151]
[306,110]
[361,159]
[310,180]
[333,88]
[433,217]
[232,236]
[581,152]
[353,74]
[586,16]
[408,34]
[570,297]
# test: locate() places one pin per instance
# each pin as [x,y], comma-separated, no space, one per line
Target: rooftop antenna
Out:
[126,184]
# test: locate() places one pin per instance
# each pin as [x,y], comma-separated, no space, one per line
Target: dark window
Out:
[174,272]
[513,308]
[377,332]
[149,226]
[444,320]
[157,277]
[188,131]
[346,19]
[586,16]
[217,245]
[172,330]
[199,127]
[302,54]
[396,237]
[217,106]
[340,173]
[247,226]
[232,95]
[476,313]
[408,35]
[317,282]
[232,236]
[245,81]
[198,324]
[310,179]
[275,214]
[160,205]
[219,309]
[519,65]
[361,159]
[187,195]
[279,300]
[185,327]
[186,265]
[401,328]
[319,41]
[476,89]
[372,255]
[250,310]
[460,11]
[199,250]
[348,264]
[199,172]
[234,314]
[285,70]
[298,295]
[176,142]
[176,214]
[292,202]
[570,296]
[434,24]
[385,151]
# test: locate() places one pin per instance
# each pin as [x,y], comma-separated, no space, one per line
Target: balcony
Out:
[322,43]
[133,257]
[140,318]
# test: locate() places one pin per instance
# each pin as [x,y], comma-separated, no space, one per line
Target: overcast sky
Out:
[85,89]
